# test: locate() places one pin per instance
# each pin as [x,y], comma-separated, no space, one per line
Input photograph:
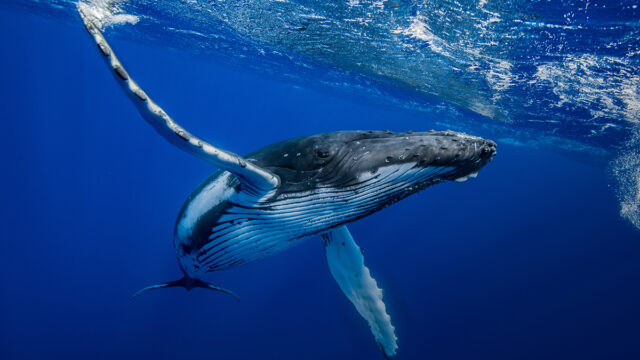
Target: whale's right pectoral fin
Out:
[257,179]
[346,263]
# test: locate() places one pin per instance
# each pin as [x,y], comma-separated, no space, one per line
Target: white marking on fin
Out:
[346,263]
[213,194]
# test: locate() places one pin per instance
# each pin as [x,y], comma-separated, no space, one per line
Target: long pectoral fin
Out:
[258,179]
[346,263]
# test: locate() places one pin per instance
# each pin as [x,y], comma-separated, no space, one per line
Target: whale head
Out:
[347,158]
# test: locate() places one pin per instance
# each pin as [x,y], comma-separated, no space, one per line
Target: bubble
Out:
[626,172]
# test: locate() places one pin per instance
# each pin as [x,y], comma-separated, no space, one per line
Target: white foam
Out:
[106,13]
[482,107]
[626,171]
[419,29]
[591,82]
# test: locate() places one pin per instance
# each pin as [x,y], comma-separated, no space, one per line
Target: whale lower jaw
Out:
[467,177]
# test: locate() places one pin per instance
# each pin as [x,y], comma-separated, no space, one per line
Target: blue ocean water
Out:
[530,260]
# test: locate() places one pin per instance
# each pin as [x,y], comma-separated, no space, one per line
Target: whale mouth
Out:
[481,153]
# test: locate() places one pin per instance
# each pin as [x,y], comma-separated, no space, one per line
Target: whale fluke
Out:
[187,283]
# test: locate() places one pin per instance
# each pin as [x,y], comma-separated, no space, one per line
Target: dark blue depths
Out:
[528,261]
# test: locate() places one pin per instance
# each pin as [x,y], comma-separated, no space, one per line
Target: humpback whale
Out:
[269,200]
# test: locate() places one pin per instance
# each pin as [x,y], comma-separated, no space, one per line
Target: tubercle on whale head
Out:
[466,154]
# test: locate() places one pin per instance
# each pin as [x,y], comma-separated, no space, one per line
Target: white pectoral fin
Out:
[346,263]
[259,179]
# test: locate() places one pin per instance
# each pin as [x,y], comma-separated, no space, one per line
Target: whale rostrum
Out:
[267,201]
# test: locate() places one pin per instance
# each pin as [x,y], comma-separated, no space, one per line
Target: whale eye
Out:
[322,153]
